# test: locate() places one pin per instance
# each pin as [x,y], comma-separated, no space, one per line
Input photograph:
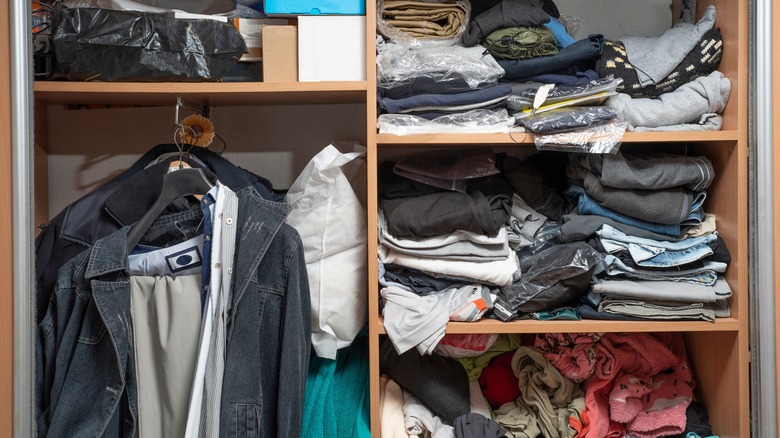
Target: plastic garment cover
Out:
[448,169]
[329,214]
[605,138]
[551,277]
[565,95]
[457,346]
[452,68]
[110,45]
[475,121]
[423,22]
[567,119]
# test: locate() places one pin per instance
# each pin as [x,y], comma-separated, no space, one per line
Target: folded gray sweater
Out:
[655,57]
[651,171]
[705,94]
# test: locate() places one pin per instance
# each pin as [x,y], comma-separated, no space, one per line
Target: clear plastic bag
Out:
[572,24]
[457,346]
[601,139]
[474,121]
[567,119]
[448,169]
[398,65]
[423,22]
[566,95]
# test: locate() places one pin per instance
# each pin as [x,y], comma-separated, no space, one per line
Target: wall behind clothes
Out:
[87,147]
[617,18]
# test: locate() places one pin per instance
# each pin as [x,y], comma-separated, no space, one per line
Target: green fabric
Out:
[521,43]
[336,401]
[475,365]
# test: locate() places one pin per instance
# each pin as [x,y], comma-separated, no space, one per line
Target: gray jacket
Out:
[85,375]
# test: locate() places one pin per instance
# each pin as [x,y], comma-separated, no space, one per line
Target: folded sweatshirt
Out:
[687,104]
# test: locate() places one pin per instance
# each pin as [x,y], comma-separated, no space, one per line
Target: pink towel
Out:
[639,354]
[662,400]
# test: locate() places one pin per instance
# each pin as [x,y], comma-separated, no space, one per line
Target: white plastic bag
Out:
[331,219]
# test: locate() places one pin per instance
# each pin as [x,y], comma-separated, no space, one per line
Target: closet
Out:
[718,352]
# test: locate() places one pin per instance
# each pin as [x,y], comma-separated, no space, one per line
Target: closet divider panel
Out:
[719,364]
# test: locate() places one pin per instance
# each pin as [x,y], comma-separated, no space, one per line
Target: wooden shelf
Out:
[534,326]
[524,138]
[211,93]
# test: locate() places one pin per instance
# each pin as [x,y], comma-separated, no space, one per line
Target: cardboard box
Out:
[280,54]
[331,48]
[251,30]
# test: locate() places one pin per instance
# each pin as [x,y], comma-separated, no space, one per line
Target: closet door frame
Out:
[6,253]
[765,197]
[16,201]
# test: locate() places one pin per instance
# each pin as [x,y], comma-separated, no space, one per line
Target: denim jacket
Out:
[85,366]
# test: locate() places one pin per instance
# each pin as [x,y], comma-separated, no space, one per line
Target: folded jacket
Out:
[507,13]
[424,20]
[481,97]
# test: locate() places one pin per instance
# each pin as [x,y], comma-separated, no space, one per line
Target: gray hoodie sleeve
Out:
[705,94]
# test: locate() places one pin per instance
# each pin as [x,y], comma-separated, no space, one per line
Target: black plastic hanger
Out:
[182,182]
[179,182]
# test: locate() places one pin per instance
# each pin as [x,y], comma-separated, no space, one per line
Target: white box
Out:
[331,48]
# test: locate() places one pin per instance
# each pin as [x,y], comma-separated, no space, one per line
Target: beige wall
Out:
[88,146]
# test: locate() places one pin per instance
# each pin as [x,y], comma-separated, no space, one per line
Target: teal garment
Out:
[695,435]
[336,401]
[563,313]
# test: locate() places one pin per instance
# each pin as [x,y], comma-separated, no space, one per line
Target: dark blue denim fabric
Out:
[577,78]
[429,101]
[583,52]
[85,377]
[119,202]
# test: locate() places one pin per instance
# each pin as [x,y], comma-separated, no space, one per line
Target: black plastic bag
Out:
[109,45]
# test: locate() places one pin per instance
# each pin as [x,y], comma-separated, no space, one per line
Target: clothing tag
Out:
[541,96]
[184,259]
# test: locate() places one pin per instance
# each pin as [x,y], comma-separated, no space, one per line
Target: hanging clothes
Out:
[120,202]
[86,376]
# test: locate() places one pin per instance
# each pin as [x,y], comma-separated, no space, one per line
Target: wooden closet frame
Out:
[723,387]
